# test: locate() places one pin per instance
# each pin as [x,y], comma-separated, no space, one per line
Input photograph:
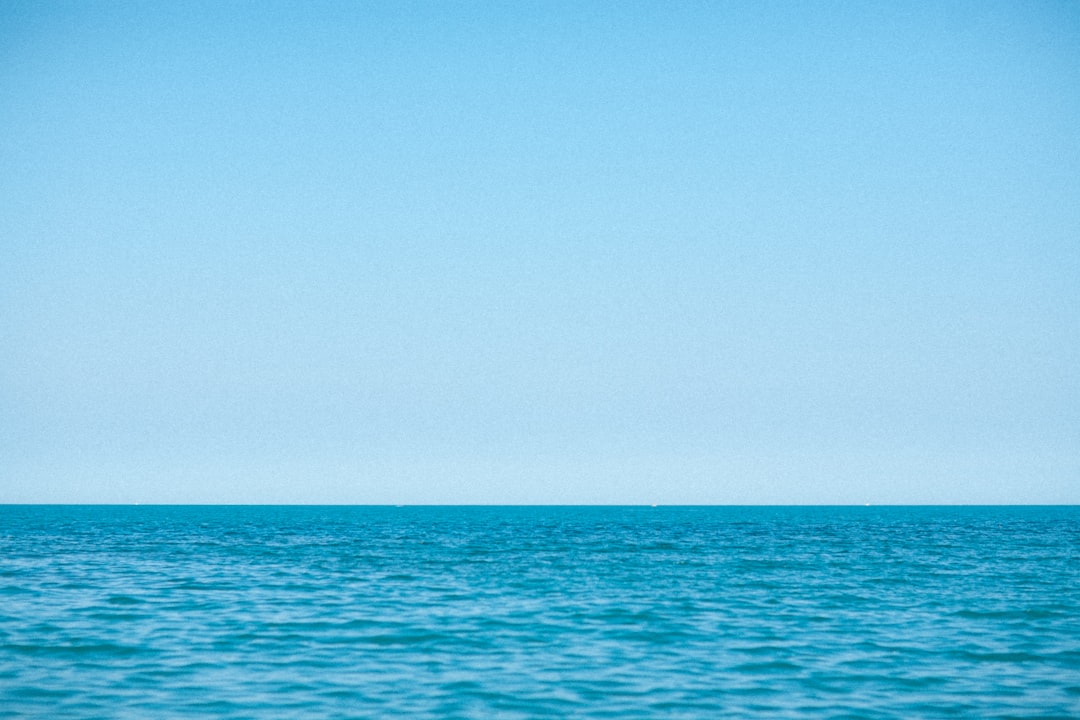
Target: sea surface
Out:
[515,612]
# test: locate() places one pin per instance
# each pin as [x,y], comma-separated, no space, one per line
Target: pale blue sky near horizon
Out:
[540,252]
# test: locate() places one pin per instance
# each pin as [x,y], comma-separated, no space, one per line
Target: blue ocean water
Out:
[327,612]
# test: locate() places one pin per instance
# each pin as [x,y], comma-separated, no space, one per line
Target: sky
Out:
[540,252]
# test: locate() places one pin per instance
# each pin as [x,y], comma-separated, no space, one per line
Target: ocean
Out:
[534,612]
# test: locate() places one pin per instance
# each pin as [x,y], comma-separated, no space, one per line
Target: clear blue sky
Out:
[546,252]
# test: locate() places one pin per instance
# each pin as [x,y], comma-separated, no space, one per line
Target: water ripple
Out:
[539,612]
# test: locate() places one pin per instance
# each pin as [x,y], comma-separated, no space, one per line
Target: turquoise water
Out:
[324,612]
